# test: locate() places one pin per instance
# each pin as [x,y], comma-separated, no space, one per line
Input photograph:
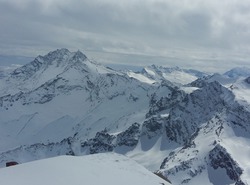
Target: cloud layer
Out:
[187,29]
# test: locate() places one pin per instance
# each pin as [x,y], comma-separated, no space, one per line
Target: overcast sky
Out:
[213,34]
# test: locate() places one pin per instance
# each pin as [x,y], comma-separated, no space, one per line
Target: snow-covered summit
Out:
[98,169]
[64,87]
[58,60]
[238,72]
[58,54]
[57,63]
[175,74]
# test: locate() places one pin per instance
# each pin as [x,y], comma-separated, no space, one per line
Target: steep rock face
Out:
[164,98]
[27,70]
[200,82]
[152,127]
[220,158]
[105,142]
[199,122]
[129,137]
[204,156]
[247,80]
[183,165]
[102,142]
[195,109]
[112,85]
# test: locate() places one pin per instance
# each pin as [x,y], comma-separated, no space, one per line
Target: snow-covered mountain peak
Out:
[45,68]
[175,75]
[62,58]
[166,69]
[58,58]
[79,56]
[238,72]
[57,54]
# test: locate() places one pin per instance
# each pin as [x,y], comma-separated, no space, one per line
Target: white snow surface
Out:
[175,75]
[241,89]
[140,77]
[179,77]
[97,169]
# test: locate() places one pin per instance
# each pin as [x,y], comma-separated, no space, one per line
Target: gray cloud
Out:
[194,30]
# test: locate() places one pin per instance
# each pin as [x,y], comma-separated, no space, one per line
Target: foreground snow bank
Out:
[109,168]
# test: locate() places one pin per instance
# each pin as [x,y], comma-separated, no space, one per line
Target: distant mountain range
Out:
[190,126]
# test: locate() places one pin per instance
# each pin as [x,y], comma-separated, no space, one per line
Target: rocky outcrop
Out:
[198,107]
[130,136]
[152,127]
[102,142]
[220,158]
[247,80]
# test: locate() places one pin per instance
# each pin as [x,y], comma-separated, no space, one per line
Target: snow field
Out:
[98,169]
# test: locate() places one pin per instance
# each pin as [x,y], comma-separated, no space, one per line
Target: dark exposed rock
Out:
[200,82]
[27,70]
[198,107]
[102,142]
[220,158]
[185,165]
[168,101]
[152,127]
[247,80]
[130,136]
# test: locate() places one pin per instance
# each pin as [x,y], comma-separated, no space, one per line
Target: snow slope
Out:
[65,91]
[241,89]
[111,169]
[140,77]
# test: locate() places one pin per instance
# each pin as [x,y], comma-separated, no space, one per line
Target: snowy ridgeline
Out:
[97,169]
[185,124]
